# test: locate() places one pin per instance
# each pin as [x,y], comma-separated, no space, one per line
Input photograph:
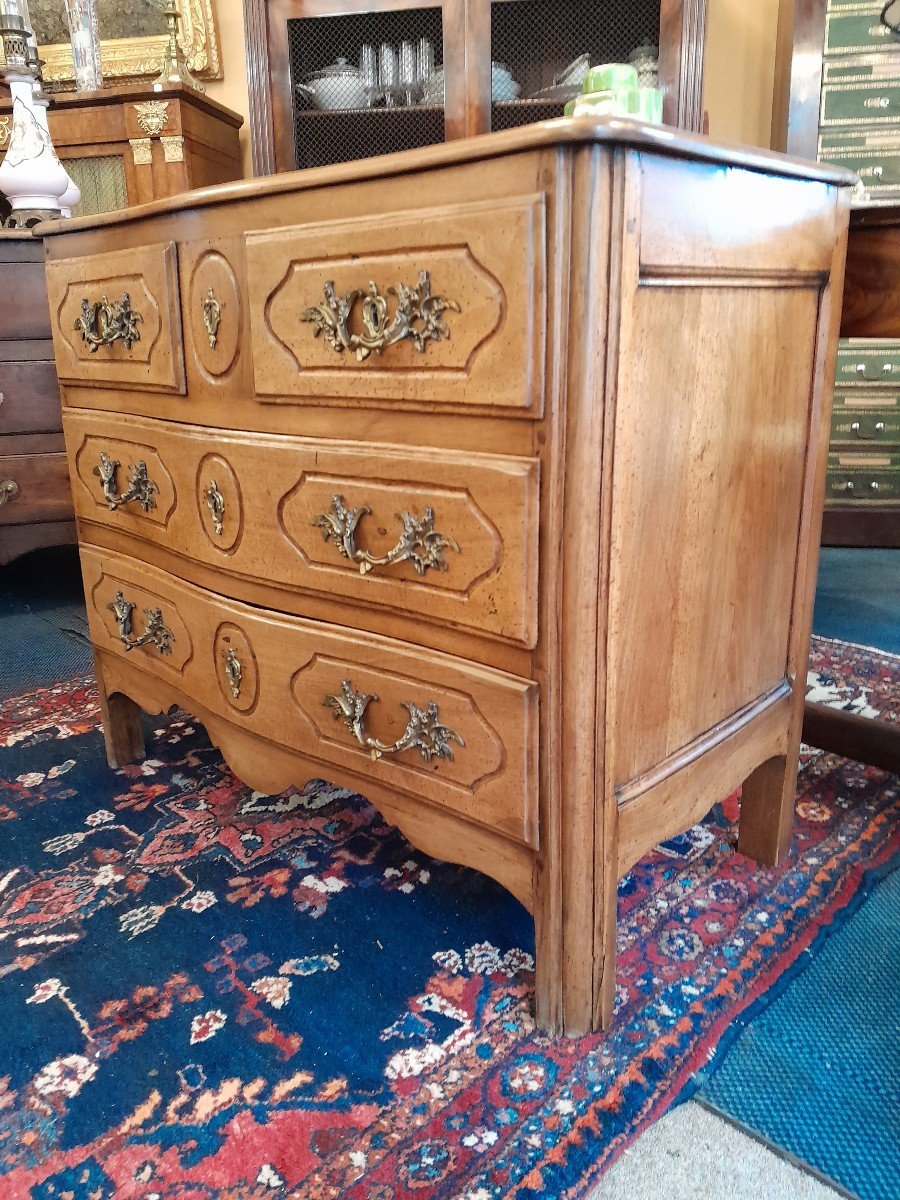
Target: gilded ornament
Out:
[419,542]
[173,148]
[215,502]
[152,116]
[212,317]
[133,58]
[103,323]
[418,318]
[424,731]
[234,672]
[155,633]
[141,151]
[140,486]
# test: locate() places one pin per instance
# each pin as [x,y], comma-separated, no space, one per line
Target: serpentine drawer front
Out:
[486,481]
[448,537]
[442,305]
[117,320]
[457,735]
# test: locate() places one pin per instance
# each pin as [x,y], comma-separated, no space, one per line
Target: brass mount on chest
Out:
[418,318]
[141,487]
[419,543]
[424,731]
[106,322]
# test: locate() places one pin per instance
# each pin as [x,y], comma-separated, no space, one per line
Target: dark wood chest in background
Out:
[35,501]
[129,145]
[123,146]
[863,494]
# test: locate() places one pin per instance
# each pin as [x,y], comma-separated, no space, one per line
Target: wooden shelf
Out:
[369,112]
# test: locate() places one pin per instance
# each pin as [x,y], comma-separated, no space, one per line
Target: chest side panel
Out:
[716,412]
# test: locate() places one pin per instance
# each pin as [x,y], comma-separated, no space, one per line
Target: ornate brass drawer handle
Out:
[418,318]
[103,323]
[140,486]
[424,731]
[215,502]
[9,489]
[212,317]
[155,634]
[419,542]
[234,672]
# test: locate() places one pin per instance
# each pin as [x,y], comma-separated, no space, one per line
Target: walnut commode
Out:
[485,479]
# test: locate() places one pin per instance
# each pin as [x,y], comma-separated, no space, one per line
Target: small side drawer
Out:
[117,319]
[29,398]
[865,417]
[452,733]
[862,478]
[34,487]
[858,29]
[864,360]
[856,102]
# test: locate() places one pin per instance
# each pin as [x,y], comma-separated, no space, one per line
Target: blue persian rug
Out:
[210,994]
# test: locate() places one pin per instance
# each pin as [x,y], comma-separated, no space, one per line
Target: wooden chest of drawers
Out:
[35,505]
[486,480]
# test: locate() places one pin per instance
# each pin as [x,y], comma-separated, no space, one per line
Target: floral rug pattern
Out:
[210,994]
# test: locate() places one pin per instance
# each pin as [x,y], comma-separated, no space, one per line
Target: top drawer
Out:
[440,306]
[116,319]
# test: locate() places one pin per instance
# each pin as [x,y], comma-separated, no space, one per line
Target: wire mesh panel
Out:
[533,42]
[102,183]
[366,84]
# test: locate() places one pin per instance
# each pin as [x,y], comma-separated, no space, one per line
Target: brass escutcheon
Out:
[212,316]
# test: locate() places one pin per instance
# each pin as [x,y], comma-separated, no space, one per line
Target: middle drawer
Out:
[445,536]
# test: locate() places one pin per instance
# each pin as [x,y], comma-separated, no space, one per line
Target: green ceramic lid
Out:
[610,77]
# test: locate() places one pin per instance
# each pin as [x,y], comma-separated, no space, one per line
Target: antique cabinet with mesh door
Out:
[484,479]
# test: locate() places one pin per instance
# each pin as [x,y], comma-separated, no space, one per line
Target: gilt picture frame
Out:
[140,57]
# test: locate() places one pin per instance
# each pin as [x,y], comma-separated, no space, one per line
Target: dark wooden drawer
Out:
[117,319]
[34,487]
[24,311]
[29,398]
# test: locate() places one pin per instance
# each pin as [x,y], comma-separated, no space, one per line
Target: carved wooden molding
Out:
[262,142]
[141,151]
[173,148]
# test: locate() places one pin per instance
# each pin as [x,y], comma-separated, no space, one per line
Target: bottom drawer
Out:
[449,732]
[868,478]
[34,487]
